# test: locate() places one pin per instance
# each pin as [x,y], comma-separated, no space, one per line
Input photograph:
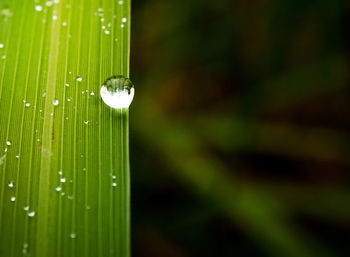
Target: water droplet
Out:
[120,2]
[114,177]
[73,235]
[69,99]
[27,104]
[64,23]
[92,93]
[49,3]
[38,8]
[122,25]
[24,251]
[31,214]
[17,156]
[25,245]
[102,19]
[118,92]
[86,122]
[79,79]
[63,180]
[8,143]
[107,32]
[114,184]
[103,27]
[5,150]
[55,102]
[60,172]
[58,189]
[11,184]
[26,208]
[7,13]
[1,45]
[13,198]
[54,17]
[124,19]
[67,85]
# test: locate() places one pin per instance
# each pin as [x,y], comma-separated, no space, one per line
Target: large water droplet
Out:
[118,92]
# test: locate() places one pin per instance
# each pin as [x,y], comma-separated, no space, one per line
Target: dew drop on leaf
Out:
[117,92]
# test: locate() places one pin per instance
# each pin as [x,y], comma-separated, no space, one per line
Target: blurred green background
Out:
[240,128]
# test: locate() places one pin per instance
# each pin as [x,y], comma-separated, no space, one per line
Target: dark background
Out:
[240,128]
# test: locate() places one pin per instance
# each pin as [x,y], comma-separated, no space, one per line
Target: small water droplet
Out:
[5,150]
[73,235]
[124,19]
[67,85]
[122,25]
[55,102]
[54,17]
[26,208]
[107,32]
[17,156]
[86,122]
[11,184]
[1,45]
[63,180]
[69,99]
[8,143]
[92,93]
[38,8]
[120,2]
[60,172]
[27,104]
[114,177]
[79,79]
[58,189]
[25,245]
[7,13]
[118,92]
[31,214]
[114,184]
[13,198]
[24,251]
[49,3]
[64,24]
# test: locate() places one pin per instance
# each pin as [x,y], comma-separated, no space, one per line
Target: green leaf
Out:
[64,154]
